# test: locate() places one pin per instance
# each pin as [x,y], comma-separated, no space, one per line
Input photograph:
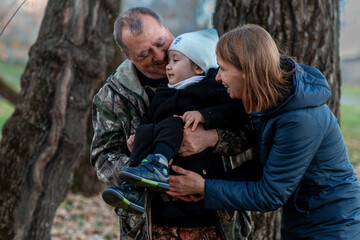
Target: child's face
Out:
[179,67]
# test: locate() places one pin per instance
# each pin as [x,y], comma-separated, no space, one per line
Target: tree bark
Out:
[85,179]
[306,30]
[46,137]
[7,92]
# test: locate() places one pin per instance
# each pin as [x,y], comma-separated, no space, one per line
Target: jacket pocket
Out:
[301,201]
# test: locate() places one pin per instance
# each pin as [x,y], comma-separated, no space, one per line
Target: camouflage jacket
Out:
[116,112]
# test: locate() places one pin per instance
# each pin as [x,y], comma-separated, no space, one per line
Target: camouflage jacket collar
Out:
[125,78]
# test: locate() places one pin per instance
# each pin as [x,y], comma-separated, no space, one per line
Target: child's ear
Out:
[198,70]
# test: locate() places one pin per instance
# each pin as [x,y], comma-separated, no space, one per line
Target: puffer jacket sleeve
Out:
[109,152]
[297,136]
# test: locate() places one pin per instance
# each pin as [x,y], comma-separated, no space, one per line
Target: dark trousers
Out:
[147,136]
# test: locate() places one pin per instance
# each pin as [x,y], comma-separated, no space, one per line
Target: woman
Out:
[306,169]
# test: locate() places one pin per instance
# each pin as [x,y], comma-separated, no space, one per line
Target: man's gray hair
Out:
[131,20]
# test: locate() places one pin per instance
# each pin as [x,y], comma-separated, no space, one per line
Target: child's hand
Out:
[192,117]
[130,142]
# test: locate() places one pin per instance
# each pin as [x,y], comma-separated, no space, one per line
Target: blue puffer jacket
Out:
[306,167]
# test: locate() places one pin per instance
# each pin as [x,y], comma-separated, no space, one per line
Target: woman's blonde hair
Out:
[252,50]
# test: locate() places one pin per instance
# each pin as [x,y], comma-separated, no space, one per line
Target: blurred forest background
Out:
[80,217]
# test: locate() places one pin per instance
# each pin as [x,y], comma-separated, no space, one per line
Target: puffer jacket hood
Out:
[310,90]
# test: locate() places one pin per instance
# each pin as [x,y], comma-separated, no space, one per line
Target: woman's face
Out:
[231,77]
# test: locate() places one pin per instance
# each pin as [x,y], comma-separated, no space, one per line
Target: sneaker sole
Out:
[116,200]
[143,182]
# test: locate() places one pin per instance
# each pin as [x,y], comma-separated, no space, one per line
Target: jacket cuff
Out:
[208,199]
[207,118]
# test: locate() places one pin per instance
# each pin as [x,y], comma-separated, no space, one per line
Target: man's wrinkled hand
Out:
[197,141]
[187,186]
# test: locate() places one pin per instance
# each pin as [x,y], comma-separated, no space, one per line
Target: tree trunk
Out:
[46,137]
[306,30]
[85,179]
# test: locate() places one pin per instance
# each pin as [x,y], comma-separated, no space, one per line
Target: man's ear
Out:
[198,70]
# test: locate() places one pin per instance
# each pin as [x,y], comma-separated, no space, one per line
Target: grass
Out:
[6,109]
[11,74]
[350,91]
[350,122]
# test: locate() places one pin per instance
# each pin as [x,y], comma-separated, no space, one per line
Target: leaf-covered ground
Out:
[80,218]
[84,218]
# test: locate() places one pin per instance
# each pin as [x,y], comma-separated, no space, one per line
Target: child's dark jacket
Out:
[208,96]
[211,99]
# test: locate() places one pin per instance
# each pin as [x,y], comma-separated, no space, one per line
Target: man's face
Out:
[148,50]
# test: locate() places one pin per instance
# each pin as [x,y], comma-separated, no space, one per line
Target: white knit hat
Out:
[199,47]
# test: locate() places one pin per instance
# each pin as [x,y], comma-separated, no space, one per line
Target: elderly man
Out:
[120,104]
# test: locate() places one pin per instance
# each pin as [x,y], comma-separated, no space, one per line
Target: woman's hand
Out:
[188,186]
[197,141]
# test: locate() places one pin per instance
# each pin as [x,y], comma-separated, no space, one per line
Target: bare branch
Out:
[7,92]
[12,17]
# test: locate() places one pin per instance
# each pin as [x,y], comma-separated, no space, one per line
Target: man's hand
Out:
[197,141]
[187,186]
[192,117]
[130,142]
